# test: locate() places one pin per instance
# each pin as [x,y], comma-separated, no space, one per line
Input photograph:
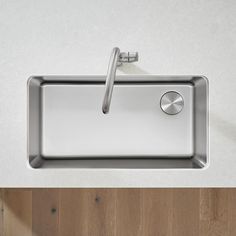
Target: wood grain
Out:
[74,219]
[17,212]
[129,212]
[45,212]
[118,212]
[101,212]
[185,220]
[232,211]
[214,215]
[1,211]
[157,212]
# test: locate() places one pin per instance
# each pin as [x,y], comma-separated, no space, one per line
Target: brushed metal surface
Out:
[66,123]
[172,103]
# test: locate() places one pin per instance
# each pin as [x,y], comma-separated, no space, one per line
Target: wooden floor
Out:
[118,212]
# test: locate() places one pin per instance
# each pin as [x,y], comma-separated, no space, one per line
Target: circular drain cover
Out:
[172,103]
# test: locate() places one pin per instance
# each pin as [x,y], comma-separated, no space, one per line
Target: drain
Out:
[172,103]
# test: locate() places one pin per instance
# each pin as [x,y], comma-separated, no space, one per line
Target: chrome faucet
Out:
[116,59]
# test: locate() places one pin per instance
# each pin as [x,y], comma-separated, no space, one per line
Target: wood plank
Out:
[207,210]
[101,212]
[1,211]
[232,212]
[45,212]
[157,212]
[17,212]
[118,212]
[185,212]
[214,209]
[129,212]
[73,212]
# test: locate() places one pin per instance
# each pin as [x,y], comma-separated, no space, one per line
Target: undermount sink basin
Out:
[67,128]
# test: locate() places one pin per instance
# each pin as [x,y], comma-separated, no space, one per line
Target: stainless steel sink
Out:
[67,128]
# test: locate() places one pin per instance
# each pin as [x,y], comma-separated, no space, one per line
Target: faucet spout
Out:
[111,73]
[116,59]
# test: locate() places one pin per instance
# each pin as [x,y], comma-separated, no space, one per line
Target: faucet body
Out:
[111,74]
[116,59]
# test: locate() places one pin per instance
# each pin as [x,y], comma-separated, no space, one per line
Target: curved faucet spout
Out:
[116,59]
[111,73]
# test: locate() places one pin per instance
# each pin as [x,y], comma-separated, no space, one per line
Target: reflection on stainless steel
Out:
[67,128]
[116,59]
[172,103]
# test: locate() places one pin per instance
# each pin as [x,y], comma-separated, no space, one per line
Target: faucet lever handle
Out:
[128,57]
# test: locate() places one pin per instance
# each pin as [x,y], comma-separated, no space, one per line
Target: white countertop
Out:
[76,37]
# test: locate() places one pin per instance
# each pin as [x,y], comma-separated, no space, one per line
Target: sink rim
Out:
[120,79]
